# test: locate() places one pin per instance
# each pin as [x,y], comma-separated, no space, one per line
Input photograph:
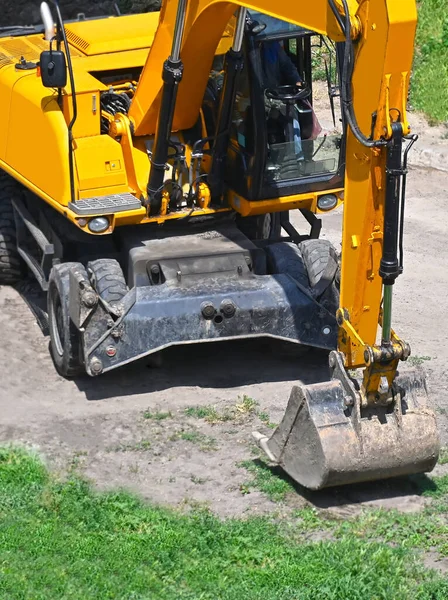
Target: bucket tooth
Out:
[325,440]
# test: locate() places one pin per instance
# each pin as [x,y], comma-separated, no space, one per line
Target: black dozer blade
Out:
[325,438]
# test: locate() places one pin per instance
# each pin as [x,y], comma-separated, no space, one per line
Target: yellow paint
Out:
[100,36]
[94,157]
[204,195]
[260,207]
[88,121]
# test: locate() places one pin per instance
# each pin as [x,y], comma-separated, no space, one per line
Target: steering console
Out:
[289,94]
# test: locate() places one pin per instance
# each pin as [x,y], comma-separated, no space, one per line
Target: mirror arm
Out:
[61,38]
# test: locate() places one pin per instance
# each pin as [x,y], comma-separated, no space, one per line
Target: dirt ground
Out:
[107,428]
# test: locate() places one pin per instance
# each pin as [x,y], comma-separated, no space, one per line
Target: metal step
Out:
[100,205]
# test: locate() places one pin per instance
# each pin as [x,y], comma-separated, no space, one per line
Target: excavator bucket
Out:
[326,439]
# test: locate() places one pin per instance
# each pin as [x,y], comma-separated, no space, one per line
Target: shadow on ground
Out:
[402,493]
[212,365]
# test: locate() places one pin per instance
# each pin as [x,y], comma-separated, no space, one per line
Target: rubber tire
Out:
[68,358]
[255,227]
[285,258]
[11,264]
[316,254]
[107,279]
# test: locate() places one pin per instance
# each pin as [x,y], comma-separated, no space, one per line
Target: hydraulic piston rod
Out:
[387,315]
[389,266]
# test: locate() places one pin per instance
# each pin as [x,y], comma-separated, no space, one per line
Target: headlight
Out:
[327,202]
[99,224]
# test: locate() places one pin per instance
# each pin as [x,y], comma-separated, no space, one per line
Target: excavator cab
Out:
[277,145]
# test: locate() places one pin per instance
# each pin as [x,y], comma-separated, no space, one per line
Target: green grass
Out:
[205,442]
[157,416]
[429,84]
[140,446]
[417,361]
[443,456]
[208,413]
[61,540]
[423,530]
[245,406]
[267,480]
[265,418]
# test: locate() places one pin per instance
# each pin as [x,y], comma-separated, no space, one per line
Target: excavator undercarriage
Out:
[158,212]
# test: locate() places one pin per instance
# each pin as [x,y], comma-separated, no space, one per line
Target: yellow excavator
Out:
[148,167]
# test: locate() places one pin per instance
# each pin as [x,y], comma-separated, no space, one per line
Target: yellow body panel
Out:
[100,166]
[248,208]
[89,112]
[40,159]
[34,142]
[98,36]
[7,80]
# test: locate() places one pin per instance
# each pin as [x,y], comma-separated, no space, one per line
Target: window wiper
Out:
[13,30]
[9,27]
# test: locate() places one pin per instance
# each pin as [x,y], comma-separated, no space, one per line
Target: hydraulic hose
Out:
[337,15]
[60,25]
[347,73]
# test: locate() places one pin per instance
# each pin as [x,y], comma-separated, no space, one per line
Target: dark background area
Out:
[26,12]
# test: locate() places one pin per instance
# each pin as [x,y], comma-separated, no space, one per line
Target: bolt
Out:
[326,330]
[155,273]
[179,275]
[348,401]
[248,261]
[111,351]
[406,351]
[339,319]
[228,308]
[208,310]
[332,360]
[383,387]
[89,299]
[240,270]
[110,323]
[96,366]
[116,334]
[368,356]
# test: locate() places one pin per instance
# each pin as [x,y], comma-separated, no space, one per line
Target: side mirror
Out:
[48,21]
[53,69]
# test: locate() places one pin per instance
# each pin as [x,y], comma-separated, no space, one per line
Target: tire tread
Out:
[109,280]
[11,265]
